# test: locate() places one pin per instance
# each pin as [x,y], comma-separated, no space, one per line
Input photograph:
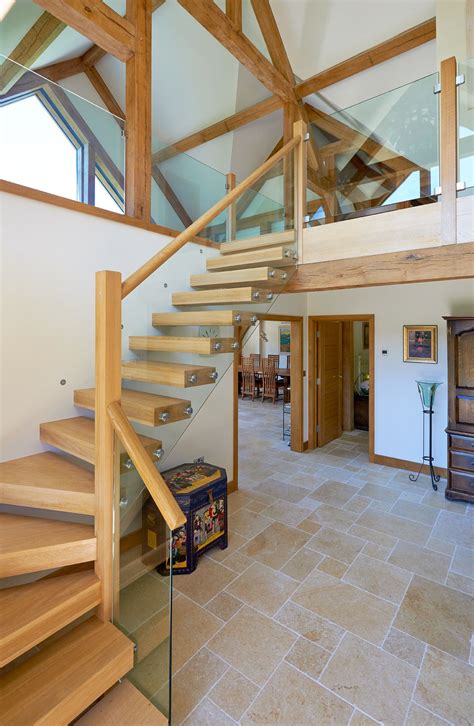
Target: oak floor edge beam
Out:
[407,40]
[98,22]
[38,38]
[446,262]
[211,17]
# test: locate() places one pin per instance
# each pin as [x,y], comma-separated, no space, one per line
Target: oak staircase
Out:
[59,653]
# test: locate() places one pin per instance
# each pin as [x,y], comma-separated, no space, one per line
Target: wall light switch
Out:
[384,352]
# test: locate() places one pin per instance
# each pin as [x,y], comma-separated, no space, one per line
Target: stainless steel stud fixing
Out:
[213,376]
[192,378]
[188,411]
[164,416]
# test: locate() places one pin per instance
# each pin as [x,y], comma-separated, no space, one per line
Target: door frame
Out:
[312,360]
[297,374]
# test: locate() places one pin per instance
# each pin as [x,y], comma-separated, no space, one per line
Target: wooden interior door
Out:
[329,381]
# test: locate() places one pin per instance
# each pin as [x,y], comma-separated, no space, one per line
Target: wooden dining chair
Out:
[279,379]
[270,388]
[250,386]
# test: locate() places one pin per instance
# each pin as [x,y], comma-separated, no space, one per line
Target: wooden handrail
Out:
[154,482]
[136,278]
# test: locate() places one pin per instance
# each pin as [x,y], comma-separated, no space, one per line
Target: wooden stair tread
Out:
[167,374]
[47,481]
[204,317]
[260,276]
[31,613]
[253,243]
[122,706]
[32,544]
[76,436]
[174,344]
[231,296]
[140,406]
[66,676]
[281,256]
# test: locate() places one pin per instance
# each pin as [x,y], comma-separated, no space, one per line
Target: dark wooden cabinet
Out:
[460,409]
[361,412]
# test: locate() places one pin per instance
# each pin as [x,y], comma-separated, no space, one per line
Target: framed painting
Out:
[284,338]
[420,343]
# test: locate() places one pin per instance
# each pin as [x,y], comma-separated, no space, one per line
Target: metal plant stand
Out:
[427,392]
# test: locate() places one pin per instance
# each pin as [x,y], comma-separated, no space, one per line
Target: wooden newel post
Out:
[300,170]
[448,155]
[108,349]
[231,222]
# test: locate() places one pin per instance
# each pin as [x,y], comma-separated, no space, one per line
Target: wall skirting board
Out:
[408,465]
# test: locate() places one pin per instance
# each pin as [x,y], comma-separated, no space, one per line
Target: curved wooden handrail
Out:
[137,277]
[154,482]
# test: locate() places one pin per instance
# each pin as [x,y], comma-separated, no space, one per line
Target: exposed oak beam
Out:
[97,21]
[272,38]
[263,108]
[93,55]
[31,46]
[63,69]
[409,39]
[211,17]
[103,90]
[233,10]
[170,195]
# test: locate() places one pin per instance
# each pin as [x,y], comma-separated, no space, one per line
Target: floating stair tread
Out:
[32,544]
[281,256]
[166,374]
[204,317]
[31,613]
[122,706]
[253,243]
[47,481]
[233,295]
[66,676]
[173,344]
[76,436]
[139,406]
[260,276]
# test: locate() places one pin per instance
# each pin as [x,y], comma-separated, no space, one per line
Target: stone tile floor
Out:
[344,597]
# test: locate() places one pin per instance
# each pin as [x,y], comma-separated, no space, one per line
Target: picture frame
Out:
[284,337]
[420,343]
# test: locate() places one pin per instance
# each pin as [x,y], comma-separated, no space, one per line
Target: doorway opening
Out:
[341,379]
[268,413]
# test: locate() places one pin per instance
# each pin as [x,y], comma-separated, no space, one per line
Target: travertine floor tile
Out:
[308,657]
[378,551]
[310,626]
[372,535]
[455,528]
[334,493]
[287,513]
[438,615]
[192,627]
[140,600]
[353,609]
[233,693]
[275,545]
[360,719]
[302,563]
[208,714]
[357,504]
[418,716]
[309,526]
[446,687]
[339,546]
[205,582]
[328,516]
[379,578]
[234,542]
[459,582]
[263,588]
[237,500]
[333,567]
[282,490]
[193,681]
[463,562]
[253,644]
[395,526]
[224,606]
[237,562]
[291,697]
[405,647]
[421,560]
[371,679]
[417,512]
[152,673]
[379,493]
[247,523]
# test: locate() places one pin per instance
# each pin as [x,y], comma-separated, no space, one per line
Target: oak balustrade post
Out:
[299,180]
[231,221]
[448,150]
[108,348]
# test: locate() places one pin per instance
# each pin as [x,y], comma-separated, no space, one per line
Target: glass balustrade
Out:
[466,129]
[53,140]
[378,155]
